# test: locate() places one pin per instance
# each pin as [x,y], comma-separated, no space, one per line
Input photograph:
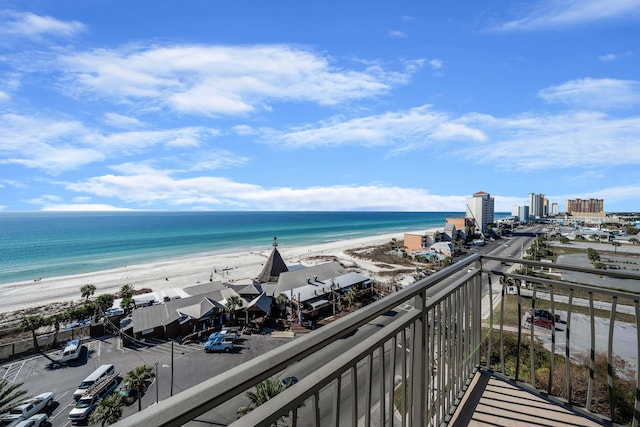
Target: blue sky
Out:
[290,105]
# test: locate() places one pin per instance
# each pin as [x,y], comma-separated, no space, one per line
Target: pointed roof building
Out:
[273,267]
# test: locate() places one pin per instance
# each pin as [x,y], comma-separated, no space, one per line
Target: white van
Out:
[71,351]
[88,402]
[96,375]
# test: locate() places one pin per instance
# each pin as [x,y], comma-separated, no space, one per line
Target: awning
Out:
[318,304]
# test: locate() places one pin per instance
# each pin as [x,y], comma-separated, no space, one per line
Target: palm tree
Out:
[108,411]
[264,391]
[615,246]
[634,241]
[87,291]
[350,296]
[281,301]
[127,304]
[138,379]
[55,320]
[126,291]
[33,323]
[233,302]
[9,393]
[104,302]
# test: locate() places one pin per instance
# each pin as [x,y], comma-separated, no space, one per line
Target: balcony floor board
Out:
[491,401]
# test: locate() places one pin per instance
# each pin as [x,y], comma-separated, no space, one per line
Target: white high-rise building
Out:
[536,205]
[480,210]
[523,213]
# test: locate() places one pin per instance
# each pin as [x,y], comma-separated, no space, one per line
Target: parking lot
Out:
[191,365]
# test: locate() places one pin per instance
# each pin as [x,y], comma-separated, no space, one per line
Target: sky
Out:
[307,105]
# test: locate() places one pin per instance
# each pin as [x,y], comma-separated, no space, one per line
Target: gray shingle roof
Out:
[195,306]
[310,275]
[272,269]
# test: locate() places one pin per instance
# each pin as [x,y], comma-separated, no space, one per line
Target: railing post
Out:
[636,406]
[418,369]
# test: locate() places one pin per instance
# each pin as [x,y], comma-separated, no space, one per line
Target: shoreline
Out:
[178,272]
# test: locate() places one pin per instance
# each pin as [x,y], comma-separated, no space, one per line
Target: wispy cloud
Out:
[594,93]
[56,146]
[81,207]
[550,14]
[223,80]
[417,127]
[121,121]
[555,142]
[149,186]
[29,25]
[609,57]
[395,34]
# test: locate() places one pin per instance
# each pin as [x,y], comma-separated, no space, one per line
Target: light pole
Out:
[157,381]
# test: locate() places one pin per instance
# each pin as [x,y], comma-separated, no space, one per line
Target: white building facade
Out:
[536,205]
[480,209]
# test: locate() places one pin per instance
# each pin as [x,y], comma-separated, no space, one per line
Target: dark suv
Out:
[547,315]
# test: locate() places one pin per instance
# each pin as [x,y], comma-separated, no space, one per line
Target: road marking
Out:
[11,375]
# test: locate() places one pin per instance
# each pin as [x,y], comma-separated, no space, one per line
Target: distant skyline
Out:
[164,105]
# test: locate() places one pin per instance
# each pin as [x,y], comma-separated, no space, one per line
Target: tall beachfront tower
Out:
[536,205]
[480,210]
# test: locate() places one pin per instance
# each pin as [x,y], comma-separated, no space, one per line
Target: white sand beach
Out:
[179,273]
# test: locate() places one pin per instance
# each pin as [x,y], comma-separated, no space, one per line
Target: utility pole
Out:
[171,368]
[157,381]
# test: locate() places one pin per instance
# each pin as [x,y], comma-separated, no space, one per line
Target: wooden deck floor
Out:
[491,401]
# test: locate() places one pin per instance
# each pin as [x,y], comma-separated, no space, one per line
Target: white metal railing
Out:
[413,369]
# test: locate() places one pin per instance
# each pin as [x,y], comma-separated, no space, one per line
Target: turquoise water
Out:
[49,244]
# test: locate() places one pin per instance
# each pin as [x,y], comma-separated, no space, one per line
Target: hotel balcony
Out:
[455,348]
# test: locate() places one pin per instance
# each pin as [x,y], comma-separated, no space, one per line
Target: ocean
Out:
[50,244]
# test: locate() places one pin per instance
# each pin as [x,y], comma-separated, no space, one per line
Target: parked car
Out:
[114,312]
[77,324]
[71,351]
[27,408]
[129,394]
[37,420]
[232,333]
[289,381]
[541,321]
[219,344]
[547,315]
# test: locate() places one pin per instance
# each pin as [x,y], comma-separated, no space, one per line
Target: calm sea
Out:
[48,244]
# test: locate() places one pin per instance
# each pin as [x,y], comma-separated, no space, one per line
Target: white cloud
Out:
[550,14]
[121,121]
[3,96]
[436,64]
[554,142]
[608,57]
[29,25]
[223,80]
[396,35]
[56,146]
[415,128]
[80,207]
[148,186]
[594,93]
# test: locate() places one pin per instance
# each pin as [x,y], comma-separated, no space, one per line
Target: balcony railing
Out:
[408,359]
